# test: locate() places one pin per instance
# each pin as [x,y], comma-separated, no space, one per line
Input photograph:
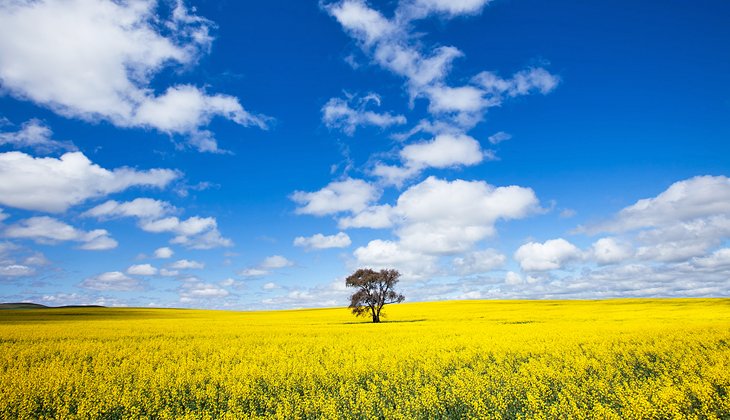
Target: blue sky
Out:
[251,155]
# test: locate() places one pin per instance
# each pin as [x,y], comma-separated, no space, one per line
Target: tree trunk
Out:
[376,318]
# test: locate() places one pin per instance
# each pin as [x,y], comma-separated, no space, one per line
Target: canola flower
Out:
[614,359]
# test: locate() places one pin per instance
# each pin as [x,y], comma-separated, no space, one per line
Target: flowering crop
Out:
[614,359]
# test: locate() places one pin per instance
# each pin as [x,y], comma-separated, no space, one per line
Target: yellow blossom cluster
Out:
[612,359]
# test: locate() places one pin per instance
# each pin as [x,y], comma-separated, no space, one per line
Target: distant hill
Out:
[22,305]
[30,305]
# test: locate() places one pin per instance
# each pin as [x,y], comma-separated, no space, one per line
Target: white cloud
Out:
[17,261]
[169,273]
[687,220]
[478,262]
[394,174]
[266,266]
[374,217]
[719,259]
[35,135]
[436,218]
[186,265]
[15,270]
[611,251]
[164,252]
[455,99]
[387,42]
[379,254]
[320,241]
[442,217]
[567,213]
[443,151]
[275,261]
[338,113]
[270,286]
[228,282]
[550,255]
[143,208]
[352,195]
[195,290]
[95,59]
[512,278]
[390,44]
[417,9]
[53,185]
[333,294]
[50,231]
[194,232]
[253,272]
[113,280]
[142,270]
[365,23]
[521,83]
[693,198]
[499,137]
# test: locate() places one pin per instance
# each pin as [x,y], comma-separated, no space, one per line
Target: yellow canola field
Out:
[622,359]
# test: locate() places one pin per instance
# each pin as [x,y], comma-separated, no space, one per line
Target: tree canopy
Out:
[374,290]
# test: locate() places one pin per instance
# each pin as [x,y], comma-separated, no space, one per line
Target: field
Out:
[491,359]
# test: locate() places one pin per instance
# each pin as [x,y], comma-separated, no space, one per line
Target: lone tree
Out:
[374,290]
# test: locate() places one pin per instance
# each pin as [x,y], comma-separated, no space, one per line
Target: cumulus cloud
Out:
[266,266]
[442,217]
[380,254]
[53,185]
[437,217]
[186,265]
[321,295]
[47,230]
[253,272]
[113,280]
[275,261]
[17,261]
[352,195]
[193,289]
[169,273]
[719,259]
[374,217]
[611,251]
[142,208]
[686,220]
[512,278]
[346,116]
[15,270]
[164,252]
[549,255]
[95,60]
[690,199]
[194,232]
[478,262]
[392,46]
[320,241]
[417,9]
[34,135]
[443,151]
[142,270]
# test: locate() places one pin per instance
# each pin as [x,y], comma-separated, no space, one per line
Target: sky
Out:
[252,155]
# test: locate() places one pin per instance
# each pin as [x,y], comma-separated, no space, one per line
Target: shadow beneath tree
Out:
[381,322]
